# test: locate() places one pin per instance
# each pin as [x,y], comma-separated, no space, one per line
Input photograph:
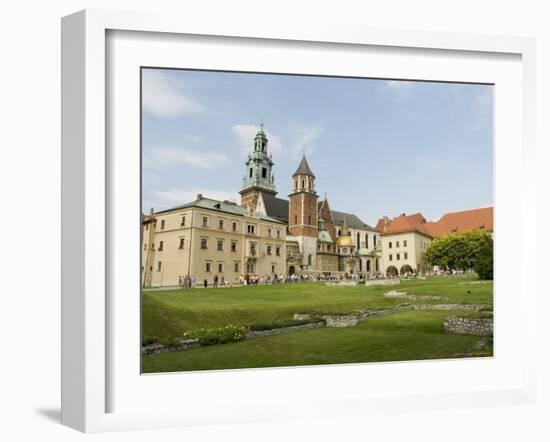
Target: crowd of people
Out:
[187,282]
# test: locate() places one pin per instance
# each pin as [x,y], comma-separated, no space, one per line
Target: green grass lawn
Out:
[403,336]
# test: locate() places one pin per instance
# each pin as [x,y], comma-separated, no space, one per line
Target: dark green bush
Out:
[484,266]
[148,340]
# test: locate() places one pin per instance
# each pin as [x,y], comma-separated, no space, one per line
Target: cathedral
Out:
[319,240]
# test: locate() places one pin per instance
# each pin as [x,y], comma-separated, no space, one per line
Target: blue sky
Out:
[377,147]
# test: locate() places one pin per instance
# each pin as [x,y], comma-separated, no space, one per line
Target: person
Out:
[215,281]
[179,281]
[223,281]
[193,281]
[205,282]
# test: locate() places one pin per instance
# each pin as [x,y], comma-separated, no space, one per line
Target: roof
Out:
[219,206]
[276,207]
[453,222]
[351,220]
[303,168]
[405,223]
[323,235]
[463,221]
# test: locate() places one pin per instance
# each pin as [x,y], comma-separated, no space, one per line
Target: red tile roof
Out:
[454,222]
[464,221]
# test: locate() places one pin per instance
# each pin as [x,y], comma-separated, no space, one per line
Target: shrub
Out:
[221,335]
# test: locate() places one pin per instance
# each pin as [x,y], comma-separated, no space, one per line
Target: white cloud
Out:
[165,98]
[296,139]
[401,88]
[180,196]
[166,156]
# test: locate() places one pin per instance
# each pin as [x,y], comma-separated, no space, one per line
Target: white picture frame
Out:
[86,218]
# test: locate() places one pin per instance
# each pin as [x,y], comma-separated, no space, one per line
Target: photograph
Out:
[303,220]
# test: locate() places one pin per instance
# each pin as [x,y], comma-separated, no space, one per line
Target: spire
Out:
[303,168]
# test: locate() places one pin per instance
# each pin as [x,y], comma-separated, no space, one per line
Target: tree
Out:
[464,251]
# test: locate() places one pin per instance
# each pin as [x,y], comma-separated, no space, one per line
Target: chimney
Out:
[199,196]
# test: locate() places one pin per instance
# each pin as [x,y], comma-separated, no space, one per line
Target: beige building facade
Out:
[208,238]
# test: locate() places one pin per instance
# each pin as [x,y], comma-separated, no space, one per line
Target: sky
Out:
[376,147]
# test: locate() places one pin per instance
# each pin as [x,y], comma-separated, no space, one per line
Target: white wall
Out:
[30,182]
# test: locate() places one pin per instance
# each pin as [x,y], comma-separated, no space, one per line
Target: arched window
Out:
[303,184]
[367,240]
[309,259]
[358,240]
[368,265]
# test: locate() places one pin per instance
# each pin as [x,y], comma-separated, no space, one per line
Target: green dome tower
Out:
[259,175]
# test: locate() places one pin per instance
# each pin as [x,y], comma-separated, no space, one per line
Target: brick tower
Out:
[302,213]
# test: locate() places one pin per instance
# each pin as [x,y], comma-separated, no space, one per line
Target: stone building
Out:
[207,237]
[313,227]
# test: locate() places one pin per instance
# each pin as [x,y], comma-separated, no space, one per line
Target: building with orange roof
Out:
[405,238]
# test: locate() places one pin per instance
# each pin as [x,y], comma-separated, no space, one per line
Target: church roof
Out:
[276,207]
[303,168]
[352,220]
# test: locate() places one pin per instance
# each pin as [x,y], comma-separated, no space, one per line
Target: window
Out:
[389,245]
[162,224]
[404,243]
[367,240]
[264,172]
[269,250]
[208,267]
[278,233]
[161,245]
[295,219]
[159,266]
[391,257]
[358,241]
[396,243]
[233,246]
[278,251]
[146,226]
[376,264]
[268,232]
[220,244]
[309,219]
[220,224]
[234,226]
[253,248]
[405,255]
[295,184]
[309,259]
[250,268]
[329,248]
[182,243]
[303,184]
[144,246]
[344,250]
[397,256]
[250,173]
[152,246]
[220,267]
[236,268]
[204,243]
[272,269]
[368,265]
[250,229]
[339,232]
[374,241]
[205,221]
[182,221]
